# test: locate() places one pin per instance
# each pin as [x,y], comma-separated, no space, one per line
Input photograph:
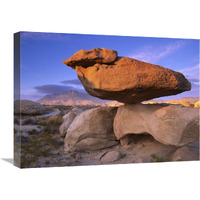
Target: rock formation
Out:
[27,107]
[124,79]
[110,157]
[68,119]
[185,154]
[92,130]
[88,58]
[147,133]
[169,124]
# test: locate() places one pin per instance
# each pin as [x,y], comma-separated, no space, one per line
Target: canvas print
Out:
[97,99]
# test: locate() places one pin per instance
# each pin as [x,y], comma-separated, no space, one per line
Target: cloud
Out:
[189,69]
[73,82]
[152,54]
[55,89]
[32,97]
[193,80]
[192,74]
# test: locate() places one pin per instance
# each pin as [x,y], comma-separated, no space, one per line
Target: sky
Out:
[42,55]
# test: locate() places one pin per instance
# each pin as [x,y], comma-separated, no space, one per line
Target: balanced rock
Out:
[68,119]
[124,79]
[27,107]
[92,130]
[168,124]
[88,58]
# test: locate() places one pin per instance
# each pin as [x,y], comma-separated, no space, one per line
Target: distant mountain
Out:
[73,97]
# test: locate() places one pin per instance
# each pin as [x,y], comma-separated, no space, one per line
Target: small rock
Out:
[92,144]
[185,154]
[111,156]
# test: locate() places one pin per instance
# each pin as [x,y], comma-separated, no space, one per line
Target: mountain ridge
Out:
[73,97]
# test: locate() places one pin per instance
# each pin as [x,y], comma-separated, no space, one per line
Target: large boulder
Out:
[27,107]
[68,119]
[88,58]
[127,80]
[92,130]
[168,124]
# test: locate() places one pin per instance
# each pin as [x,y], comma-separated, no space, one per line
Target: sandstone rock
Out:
[168,124]
[131,81]
[185,154]
[124,79]
[111,156]
[27,107]
[88,58]
[68,119]
[197,104]
[92,129]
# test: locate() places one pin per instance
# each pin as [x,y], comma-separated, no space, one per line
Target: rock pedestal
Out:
[105,75]
[168,124]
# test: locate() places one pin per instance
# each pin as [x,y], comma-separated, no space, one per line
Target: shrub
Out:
[52,124]
[155,158]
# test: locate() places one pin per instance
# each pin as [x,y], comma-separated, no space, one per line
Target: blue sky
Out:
[43,72]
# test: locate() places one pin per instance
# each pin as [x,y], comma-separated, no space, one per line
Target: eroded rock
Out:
[185,154]
[92,130]
[125,79]
[68,119]
[131,81]
[27,107]
[168,124]
[111,156]
[88,58]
